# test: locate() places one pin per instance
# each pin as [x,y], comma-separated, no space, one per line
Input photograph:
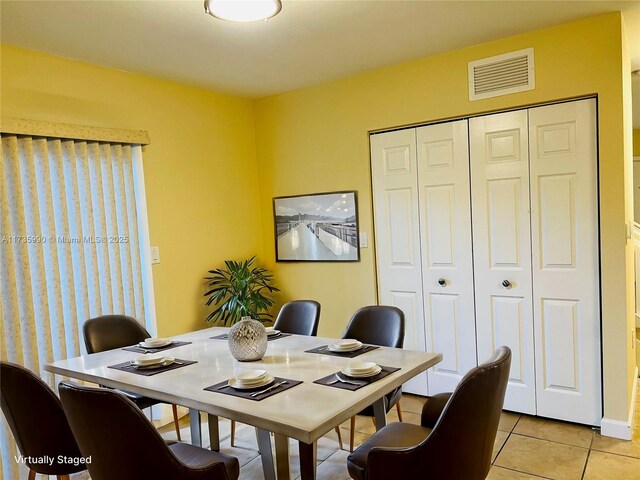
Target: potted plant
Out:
[240,293]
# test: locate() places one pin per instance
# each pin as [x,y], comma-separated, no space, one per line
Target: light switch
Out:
[155,255]
[363,240]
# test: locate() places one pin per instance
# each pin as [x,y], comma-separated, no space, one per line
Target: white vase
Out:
[247,340]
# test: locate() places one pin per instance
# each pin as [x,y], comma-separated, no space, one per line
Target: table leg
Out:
[380,412]
[282,457]
[195,427]
[214,435]
[308,453]
[264,446]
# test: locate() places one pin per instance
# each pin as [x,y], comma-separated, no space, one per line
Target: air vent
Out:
[501,75]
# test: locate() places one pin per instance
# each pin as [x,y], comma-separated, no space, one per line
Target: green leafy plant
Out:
[241,289]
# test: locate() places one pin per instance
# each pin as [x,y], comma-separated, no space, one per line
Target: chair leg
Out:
[399,410]
[352,433]
[32,475]
[176,424]
[339,437]
[62,477]
[233,433]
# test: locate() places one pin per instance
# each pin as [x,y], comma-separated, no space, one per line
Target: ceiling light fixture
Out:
[243,10]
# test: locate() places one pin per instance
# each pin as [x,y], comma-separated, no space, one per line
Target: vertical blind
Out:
[74,245]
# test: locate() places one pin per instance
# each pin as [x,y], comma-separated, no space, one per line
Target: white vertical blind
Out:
[74,245]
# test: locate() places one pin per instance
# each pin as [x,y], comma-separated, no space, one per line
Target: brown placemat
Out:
[139,349]
[324,350]
[225,336]
[222,387]
[147,372]
[348,386]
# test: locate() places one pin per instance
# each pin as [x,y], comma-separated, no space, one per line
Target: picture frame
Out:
[317,227]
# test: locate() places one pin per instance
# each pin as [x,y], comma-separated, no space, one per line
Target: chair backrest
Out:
[112,331]
[300,317]
[461,443]
[122,443]
[37,420]
[377,325]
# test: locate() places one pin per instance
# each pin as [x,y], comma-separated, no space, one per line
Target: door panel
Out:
[502,248]
[395,194]
[445,223]
[564,219]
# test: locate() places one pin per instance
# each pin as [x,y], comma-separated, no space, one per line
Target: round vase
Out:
[247,340]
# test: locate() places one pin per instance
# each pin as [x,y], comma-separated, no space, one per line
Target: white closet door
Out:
[395,193]
[564,232]
[502,248]
[447,262]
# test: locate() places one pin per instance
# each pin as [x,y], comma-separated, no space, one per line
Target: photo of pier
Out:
[318,227]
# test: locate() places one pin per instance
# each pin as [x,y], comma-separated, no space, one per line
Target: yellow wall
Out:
[200,170]
[315,140]
[636,141]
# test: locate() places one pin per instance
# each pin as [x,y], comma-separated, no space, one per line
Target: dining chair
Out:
[300,317]
[123,444]
[377,325]
[38,423]
[108,332]
[455,438]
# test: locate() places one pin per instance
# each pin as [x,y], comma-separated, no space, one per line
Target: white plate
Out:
[347,343]
[251,377]
[269,329]
[156,342]
[335,348]
[273,333]
[235,384]
[351,374]
[361,367]
[166,361]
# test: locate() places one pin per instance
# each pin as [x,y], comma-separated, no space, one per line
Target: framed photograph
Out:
[319,227]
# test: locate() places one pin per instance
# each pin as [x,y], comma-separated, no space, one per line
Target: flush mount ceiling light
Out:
[242,10]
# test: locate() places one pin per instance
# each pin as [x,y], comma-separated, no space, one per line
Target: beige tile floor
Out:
[526,448]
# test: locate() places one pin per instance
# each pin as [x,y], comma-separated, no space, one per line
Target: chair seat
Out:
[394,435]
[195,457]
[141,401]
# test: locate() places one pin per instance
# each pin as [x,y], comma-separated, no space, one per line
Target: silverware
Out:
[340,378]
[223,386]
[255,394]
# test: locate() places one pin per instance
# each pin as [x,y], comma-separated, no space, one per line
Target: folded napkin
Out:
[324,350]
[139,349]
[225,336]
[328,380]
[223,388]
[147,372]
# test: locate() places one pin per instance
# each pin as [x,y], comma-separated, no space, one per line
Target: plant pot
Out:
[247,340]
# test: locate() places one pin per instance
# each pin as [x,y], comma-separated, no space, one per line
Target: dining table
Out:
[304,412]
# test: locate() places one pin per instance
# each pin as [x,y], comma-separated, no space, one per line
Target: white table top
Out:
[304,412]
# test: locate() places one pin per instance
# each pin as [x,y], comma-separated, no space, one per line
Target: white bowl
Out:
[271,333]
[156,342]
[346,343]
[269,329]
[251,376]
[362,367]
[145,360]
[345,348]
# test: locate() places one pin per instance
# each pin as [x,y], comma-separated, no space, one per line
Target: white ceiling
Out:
[308,43]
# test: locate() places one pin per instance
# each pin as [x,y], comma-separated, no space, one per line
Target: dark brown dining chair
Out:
[123,444]
[377,325]
[38,423]
[455,438]
[300,317]
[108,332]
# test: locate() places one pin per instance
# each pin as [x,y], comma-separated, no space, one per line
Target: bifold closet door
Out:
[447,263]
[502,248]
[564,233]
[395,193]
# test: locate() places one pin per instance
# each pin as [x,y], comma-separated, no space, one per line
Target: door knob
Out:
[442,282]
[506,284]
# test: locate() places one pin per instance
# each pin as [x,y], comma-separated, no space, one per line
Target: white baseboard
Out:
[619,428]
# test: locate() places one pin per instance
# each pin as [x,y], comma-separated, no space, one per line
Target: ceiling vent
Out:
[501,75]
